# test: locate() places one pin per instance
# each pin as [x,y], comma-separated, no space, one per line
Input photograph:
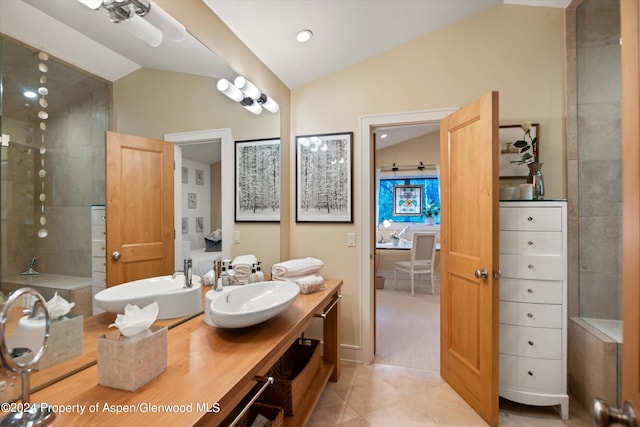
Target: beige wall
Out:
[425,149]
[516,50]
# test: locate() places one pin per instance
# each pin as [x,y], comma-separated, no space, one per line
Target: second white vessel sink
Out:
[249,305]
[173,298]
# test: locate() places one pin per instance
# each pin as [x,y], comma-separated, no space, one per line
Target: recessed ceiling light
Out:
[29,94]
[304,35]
[383,136]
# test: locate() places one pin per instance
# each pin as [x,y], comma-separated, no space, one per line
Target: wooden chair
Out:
[423,254]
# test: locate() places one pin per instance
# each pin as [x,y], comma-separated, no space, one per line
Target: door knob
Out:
[482,274]
[115,255]
[604,416]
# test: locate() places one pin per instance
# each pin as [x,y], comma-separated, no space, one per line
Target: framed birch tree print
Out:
[257,169]
[324,185]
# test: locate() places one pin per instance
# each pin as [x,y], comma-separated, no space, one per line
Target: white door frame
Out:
[226,182]
[367,170]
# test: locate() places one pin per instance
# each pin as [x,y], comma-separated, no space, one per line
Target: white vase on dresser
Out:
[98,252]
[533,303]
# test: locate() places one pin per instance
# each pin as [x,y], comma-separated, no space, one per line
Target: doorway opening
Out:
[368,127]
[208,139]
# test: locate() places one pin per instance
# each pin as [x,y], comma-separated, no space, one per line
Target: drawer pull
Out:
[529,315]
[531,343]
[530,243]
[530,373]
[531,267]
[530,290]
[530,219]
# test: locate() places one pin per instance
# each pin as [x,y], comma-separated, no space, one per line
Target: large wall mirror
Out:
[81,104]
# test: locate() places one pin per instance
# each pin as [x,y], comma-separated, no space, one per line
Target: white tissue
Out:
[58,307]
[135,320]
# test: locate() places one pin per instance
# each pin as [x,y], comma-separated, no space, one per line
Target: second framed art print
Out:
[324,186]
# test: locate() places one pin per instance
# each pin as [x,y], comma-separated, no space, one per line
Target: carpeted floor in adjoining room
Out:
[408,327]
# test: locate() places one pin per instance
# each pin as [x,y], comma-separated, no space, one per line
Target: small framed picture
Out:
[185,225]
[192,203]
[408,200]
[518,147]
[199,177]
[199,224]
[185,175]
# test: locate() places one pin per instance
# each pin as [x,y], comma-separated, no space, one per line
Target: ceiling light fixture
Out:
[248,95]
[304,36]
[29,94]
[130,13]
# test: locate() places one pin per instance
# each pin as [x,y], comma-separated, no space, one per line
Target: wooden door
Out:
[629,26]
[139,208]
[469,245]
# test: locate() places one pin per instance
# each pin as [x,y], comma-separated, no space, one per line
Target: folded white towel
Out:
[297,267]
[208,278]
[242,264]
[310,284]
[290,278]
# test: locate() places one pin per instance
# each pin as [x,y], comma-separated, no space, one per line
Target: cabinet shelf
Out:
[311,398]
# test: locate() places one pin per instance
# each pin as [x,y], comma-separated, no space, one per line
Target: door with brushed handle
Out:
[604,416]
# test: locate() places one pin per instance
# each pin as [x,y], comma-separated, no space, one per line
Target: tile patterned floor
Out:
[388,396]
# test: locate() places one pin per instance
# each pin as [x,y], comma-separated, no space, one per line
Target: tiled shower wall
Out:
[599,167]
[75,166]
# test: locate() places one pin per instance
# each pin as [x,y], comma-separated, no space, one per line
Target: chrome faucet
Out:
[187,272]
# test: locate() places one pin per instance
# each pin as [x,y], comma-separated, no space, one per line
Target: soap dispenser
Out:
[253,277]
[259,273]
[233,280]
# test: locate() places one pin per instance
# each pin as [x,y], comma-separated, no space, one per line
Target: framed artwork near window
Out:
[199,224]
[185,225]
[408,200]
[324,185]
[185,175]
[517,148]
[199,177]
[257,179]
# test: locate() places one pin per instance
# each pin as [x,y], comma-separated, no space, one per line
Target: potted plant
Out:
[526,145]
[395,238]
[431,211]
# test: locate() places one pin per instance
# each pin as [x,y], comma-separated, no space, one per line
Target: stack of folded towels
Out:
[242,265]
[302,272]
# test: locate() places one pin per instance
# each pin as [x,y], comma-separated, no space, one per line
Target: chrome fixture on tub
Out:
[30,271]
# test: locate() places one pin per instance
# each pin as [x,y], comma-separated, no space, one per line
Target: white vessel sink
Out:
[172,297]
[248,305]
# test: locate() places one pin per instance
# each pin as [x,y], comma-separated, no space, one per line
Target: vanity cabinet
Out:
[533,303]
[98,251]
[209,371]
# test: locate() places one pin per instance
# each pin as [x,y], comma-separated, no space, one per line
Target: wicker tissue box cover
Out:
[64,342]
[293,374]
[128,363]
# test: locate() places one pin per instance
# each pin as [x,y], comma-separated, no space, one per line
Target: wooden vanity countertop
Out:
[208,368]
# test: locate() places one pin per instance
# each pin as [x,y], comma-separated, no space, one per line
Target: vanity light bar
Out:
[130,13]
[247,94]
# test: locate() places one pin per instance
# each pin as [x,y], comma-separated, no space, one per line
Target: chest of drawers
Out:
[533,303]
